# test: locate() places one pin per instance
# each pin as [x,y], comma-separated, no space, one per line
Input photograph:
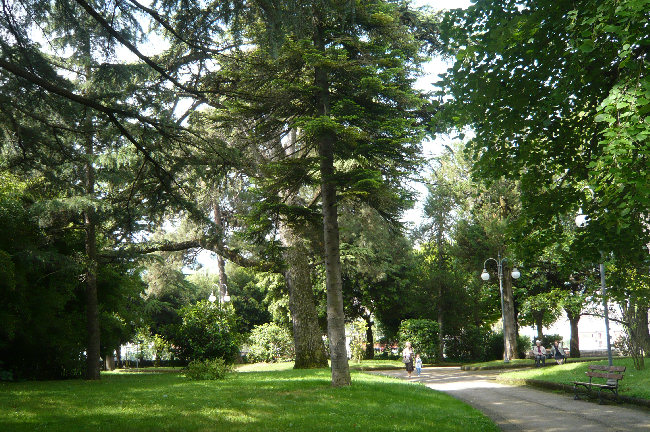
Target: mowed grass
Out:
[516,363]
[635,383]
[282,400]
[363,365]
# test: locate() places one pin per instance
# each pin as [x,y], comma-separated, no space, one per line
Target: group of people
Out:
[410,360]
[557,352]
[413,361]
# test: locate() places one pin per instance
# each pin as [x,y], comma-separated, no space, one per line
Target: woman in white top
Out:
[407,358]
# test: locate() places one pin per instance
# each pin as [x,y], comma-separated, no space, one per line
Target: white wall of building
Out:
[591,331]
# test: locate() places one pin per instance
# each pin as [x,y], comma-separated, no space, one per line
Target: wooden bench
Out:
[613,374]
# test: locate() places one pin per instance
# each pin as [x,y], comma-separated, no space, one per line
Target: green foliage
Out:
[470,344]
[270,343]
[43,316]
[207,331]
[494,346]
[255,297]
[208,369]
[548,340]
[423,335]
[375,277]
[565,88]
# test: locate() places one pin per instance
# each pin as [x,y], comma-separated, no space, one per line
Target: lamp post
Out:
[581,221]
[222,299]
[486,276]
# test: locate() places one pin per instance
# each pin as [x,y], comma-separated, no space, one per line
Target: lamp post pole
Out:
[486,276]
[581,221]
[603,287]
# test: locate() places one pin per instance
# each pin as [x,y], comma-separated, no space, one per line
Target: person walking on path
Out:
[558,352]
[407,358]
[418,365]
[540,354]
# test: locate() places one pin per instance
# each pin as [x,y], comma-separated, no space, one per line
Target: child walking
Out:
[418,364]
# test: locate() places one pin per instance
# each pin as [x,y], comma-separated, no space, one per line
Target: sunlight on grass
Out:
[635,383]
[276,400]
[501,363]
[526,362]
[264,367]
[354,365]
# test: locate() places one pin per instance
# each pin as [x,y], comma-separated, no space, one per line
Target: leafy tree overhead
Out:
[556,93]
[43,333]
[81,150]
[341,74]
[106,136]
[377,261]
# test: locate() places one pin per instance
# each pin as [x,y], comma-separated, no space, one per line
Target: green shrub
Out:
[214,369]
[423,335]
[270,343]
[494,346]
[523,345]
[547,340]
[207,331]
[387,355]
[470,344]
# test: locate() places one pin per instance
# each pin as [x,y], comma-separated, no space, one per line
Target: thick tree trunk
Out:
[644,330]
[574,344]
[118,354]
[441,339]
[510,329]
[308,341]
[335,314]
[93,365]
[307,335]
[370,338]
[221,262]
[109,362]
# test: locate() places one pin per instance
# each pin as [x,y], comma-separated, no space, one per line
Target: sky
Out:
[430,148]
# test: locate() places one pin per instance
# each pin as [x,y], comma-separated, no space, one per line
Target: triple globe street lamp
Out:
[224,299]
[486,276]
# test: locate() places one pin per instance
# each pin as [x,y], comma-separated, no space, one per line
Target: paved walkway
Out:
[528,409]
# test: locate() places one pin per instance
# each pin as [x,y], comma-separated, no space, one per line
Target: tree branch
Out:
[135,50]
[625,323]
[207,244]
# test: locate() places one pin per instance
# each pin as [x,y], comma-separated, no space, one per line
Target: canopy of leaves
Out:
[556,93]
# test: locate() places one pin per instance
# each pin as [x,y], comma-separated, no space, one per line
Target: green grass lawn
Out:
[635,383]
[363,365]
[515,363]
[281,400]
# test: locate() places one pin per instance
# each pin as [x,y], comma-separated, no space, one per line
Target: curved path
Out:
[523,408]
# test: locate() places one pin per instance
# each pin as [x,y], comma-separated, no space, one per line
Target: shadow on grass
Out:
[255,401]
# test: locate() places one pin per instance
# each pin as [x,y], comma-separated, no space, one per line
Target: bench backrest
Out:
[607,368]
[604,375]
[607,372]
